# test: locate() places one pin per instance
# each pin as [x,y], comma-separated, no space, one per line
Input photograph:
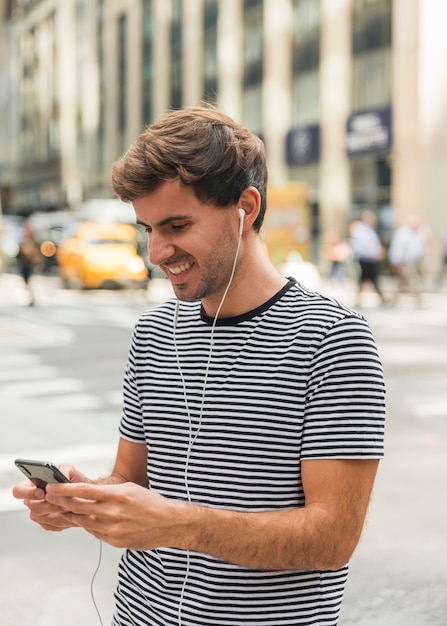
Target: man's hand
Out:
[48,516]
[124,515]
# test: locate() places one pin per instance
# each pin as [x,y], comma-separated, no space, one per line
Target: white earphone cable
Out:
[192,439]
[92,592]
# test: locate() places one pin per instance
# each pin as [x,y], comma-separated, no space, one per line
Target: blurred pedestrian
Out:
[405,257]
[443,271]
[368,251]
[28,257]
[336,252]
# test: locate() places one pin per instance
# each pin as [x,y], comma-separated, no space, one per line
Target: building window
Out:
[253,64]
[306,20]
[371,80]
[101,87]
[368,8]
[147,60]
[252,109]
[253,42]
[54,109]
[176,54]
[82,60]
[372,34]
[305,98]
[210,51]
[306,61]
[27,95]
[122,75]
[371,52]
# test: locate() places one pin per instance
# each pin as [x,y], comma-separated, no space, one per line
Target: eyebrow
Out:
[166,220]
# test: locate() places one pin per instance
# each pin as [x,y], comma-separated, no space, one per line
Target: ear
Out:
[250,201]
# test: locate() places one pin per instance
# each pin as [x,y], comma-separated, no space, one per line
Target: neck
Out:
[255,281]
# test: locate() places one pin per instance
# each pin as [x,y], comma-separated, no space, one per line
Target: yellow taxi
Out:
[98,254]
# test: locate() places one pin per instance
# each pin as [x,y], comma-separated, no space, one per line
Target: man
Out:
[405,256]
[253,408]
[368,252]
[28,257]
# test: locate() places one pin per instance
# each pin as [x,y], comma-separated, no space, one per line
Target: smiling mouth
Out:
[178,269]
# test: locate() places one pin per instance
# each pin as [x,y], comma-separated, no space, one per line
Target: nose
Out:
[159,248]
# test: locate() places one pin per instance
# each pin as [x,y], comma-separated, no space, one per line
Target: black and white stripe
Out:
[297,378]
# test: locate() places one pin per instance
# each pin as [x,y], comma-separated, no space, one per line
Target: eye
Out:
[144,229]
[179,227]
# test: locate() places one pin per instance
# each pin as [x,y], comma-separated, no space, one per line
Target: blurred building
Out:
[350,96]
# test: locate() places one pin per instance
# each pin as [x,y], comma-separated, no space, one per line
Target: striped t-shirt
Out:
[297,378]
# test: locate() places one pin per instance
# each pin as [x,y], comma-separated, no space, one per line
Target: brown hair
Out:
[201,147]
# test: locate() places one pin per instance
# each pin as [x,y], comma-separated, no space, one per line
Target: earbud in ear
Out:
[241,220]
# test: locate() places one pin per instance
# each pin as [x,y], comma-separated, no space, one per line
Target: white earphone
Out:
[198,425]
[241,220]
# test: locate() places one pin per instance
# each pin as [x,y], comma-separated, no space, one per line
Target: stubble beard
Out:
[215,270]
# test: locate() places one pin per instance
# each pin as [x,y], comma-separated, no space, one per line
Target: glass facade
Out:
[82,61]
[371,53]
[121,80]
[147,62]
[253,64]
[39,103]
[85,76]
[101,85]
[27,95]
[39,116]
[210,85]
[176,96]
[371,104]
[306,61]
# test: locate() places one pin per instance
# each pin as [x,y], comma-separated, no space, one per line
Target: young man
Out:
[253,408]
[368,252]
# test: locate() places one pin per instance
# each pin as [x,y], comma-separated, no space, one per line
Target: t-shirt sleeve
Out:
[345,404]
[131,425]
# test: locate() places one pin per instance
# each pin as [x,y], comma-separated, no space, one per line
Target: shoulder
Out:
[157,319]
[314,306]
[314,317]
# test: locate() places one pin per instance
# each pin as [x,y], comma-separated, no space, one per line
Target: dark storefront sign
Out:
[303,145]
[369,131]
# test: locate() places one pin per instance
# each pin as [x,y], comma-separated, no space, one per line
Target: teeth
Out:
[180,268]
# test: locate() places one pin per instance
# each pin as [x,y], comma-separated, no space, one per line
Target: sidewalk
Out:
[49,287]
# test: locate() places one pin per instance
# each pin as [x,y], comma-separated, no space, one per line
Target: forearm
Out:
[113,479]
[322,535]
[319,536]
[301,539]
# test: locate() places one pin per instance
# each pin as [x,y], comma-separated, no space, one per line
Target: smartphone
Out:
[41,472]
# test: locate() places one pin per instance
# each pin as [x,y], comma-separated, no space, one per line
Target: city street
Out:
[61,366]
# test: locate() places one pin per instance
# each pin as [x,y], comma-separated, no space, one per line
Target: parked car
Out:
[50,228]
[98,254]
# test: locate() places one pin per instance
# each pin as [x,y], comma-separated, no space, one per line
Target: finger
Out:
[42,508]
[27,490]
[87,522]
[53,521]
[74,505]
[86,491]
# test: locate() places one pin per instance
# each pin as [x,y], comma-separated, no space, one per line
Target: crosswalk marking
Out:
[431,409]
[26,388]
[32,372]
[73,402]
[17,359]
